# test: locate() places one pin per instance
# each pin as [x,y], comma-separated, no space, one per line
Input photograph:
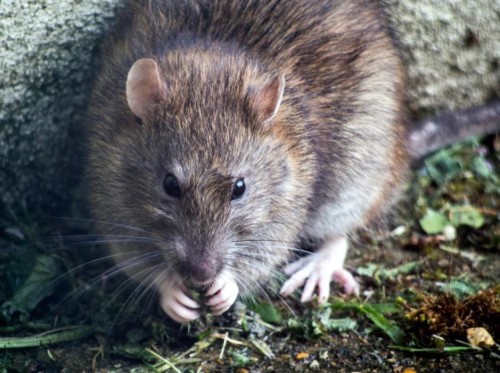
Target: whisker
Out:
[150,286]
[266,240]
[263,259]
[129,280]
[109,273]
[290,248]
[99,236]
[103,222]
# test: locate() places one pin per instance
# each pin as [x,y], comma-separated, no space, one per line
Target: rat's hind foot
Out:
[222,294]
[317,270]
[176,303]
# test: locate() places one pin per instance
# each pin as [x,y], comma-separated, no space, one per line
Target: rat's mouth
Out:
[199,286]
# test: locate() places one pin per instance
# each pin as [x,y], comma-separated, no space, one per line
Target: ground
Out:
[428,275]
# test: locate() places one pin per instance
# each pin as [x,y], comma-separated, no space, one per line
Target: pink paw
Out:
[317,270]
[177,304]
[222,294]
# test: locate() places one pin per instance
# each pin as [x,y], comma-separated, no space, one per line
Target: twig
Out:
[163,360]
[230,340]
[221,355]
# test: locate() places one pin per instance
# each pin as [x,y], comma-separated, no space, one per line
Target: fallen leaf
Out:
[466,215]
[268,312]
[433,222]
[480,337]
[242,370]
[482,167]
[39,285]
[409,370]
[302,356]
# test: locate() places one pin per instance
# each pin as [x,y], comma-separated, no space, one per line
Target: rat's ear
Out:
[267,97]
[144,86]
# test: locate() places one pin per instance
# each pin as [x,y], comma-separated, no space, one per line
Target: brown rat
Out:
[224,133]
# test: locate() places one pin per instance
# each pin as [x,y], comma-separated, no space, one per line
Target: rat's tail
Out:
[451,127]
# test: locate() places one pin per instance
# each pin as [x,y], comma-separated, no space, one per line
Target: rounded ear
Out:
[144,86]
[266,98]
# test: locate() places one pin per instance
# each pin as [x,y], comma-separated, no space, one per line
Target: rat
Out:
[223,134]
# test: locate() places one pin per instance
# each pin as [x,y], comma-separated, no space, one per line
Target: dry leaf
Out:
[409,370]
[302,356]
[480,337]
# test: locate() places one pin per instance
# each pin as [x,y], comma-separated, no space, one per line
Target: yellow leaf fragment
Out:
[242,370]
[480,337]
[409,370]
[302,356]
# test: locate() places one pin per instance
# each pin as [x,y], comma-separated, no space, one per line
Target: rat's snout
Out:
[200,263]
[199,271]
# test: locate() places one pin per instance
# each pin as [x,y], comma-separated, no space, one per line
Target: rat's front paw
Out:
[177,304]
[222,294]
[318,270]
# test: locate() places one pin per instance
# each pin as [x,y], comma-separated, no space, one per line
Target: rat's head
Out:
[206,168]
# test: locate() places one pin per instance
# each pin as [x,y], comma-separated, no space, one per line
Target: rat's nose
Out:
[200,271]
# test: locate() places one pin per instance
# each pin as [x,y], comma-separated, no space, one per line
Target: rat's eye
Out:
[238,189]
[171,186]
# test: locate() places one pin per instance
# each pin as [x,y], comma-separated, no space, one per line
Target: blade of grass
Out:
[47,338]
[391,329]
[432,350]
[394,332]
[164,364]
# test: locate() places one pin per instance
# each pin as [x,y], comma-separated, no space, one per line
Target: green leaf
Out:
[387,308]
[378,273]
[294,324]
[433,222]
[402,269]
[268,313]
[341,325]
[462,288]
[39,285]
[442,166]
[481,167]
[240,358]
[369,270]
[47,338]
[315,329]
[394,332]
[449,349]
[466,215]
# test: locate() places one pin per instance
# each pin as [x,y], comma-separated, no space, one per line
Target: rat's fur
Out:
[330,160]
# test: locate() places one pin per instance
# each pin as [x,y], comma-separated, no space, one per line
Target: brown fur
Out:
[331,159]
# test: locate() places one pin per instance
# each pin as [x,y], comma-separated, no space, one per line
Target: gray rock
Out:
[452,49]
[46,68]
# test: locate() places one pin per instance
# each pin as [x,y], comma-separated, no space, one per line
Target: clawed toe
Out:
[345,278]
[180,307]
[177,304]
[223,294]
[317,270]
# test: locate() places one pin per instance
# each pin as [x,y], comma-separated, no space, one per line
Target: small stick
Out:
[221,355]
[163,360]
